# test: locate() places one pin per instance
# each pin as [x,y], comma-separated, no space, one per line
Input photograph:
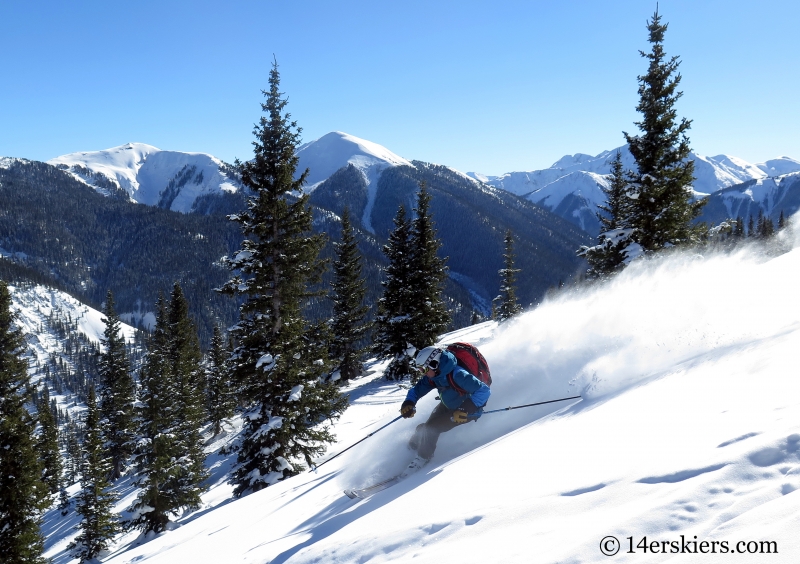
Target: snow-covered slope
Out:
[168,179]
[688,435]
[571,187]
[37,306]
[47,317]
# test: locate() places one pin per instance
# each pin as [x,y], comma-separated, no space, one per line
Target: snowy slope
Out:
[571,187]
[689,431]
[39,309]
[35,305]
[169,179]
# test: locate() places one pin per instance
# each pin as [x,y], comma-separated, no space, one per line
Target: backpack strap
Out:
[450,380]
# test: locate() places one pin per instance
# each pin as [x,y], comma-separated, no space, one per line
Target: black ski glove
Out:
[467,412]
[408,409]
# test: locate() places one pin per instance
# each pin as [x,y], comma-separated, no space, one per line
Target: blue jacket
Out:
[476,390]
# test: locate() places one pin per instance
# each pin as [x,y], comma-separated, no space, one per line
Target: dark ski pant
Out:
[427,434]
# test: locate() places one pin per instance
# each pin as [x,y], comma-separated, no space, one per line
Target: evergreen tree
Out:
[509,307]
[349,312]
[781,221]
[276,357]
[662,209]
[760,228]
[117,392]
[750,227]
[393,324]
[220,397]
[429,316]
[98,524]
[170,457]
[157,445]
[23,494]
[47,445]
[188,376]
[738,228]
[609,255]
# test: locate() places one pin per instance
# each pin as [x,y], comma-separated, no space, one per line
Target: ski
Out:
[374,488]
[363,493]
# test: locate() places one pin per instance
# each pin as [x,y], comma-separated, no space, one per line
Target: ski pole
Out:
[530,405]
[354,444]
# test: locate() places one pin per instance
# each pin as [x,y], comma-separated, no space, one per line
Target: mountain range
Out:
[572,186]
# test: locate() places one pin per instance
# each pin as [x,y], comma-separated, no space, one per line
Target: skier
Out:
[462,398]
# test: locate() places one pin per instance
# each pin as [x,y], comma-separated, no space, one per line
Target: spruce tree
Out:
[220,396]
[781,221]
[117,392]
[609,255]
[98,524]
[188,375]
[393,324]
[738,229]
[276,358]
[158,445]
[662,210]
[349,325]
[429,316]
[509,307]
[47,445]
[170,457]
[23,494]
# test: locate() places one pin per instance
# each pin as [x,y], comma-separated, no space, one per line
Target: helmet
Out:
[428,358]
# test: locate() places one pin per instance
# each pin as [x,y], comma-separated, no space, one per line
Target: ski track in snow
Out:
[690,425]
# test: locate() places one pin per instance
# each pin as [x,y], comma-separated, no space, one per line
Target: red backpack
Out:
[470,359]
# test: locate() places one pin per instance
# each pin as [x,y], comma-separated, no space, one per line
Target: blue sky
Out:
[487,86]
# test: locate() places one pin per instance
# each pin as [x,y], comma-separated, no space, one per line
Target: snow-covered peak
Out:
[118,163]
[570,161]
[169,179]
[337,149]
[779,166]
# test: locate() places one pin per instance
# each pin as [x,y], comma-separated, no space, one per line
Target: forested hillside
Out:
[85,243]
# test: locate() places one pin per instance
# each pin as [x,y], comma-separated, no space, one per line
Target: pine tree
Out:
[393,324]
[189,377]
[662,210]
[220,397]
[276,358]
[429,316]
[170,457]
[157,445]
[509,307]
[23,494]
[781,221]
[608,256]
[750,228]
[98,524]
[738,228]
[349,312]
[117,392]
[47,445]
